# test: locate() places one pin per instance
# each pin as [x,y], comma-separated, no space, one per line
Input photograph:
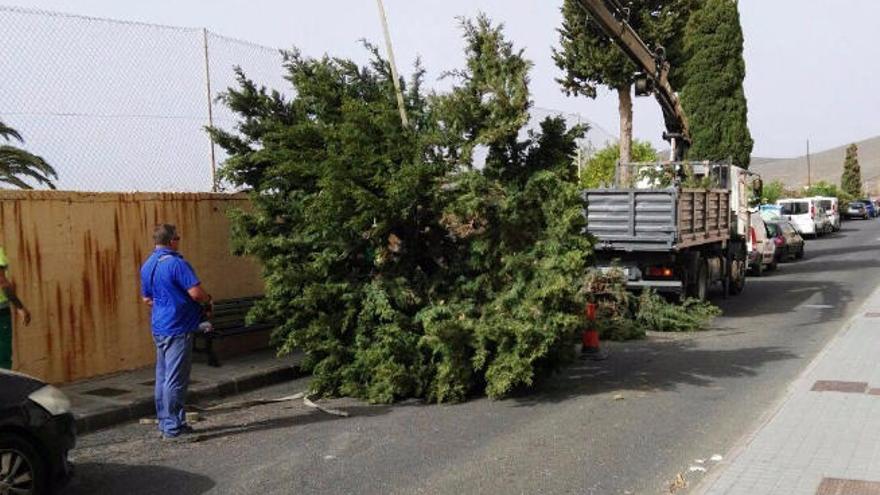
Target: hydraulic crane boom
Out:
[612,18]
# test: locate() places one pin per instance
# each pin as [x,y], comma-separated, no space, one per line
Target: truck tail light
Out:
[660,271]
[812,212]
[753,236]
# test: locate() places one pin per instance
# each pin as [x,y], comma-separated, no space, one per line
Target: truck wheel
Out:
[700,288]
[738,276]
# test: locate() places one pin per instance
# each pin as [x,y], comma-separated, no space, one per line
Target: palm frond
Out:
[8,132]
[16,162]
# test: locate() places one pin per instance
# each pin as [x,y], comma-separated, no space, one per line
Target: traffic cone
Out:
[590,337]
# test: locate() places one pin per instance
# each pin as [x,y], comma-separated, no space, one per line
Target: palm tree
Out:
[16,163]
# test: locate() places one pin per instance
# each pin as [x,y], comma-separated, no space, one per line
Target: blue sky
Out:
[811,64]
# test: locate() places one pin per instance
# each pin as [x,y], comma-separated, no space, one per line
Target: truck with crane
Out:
[676,226]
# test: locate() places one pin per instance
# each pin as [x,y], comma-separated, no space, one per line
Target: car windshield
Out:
[770,216]
[795,208]
[857,206]
[825,203]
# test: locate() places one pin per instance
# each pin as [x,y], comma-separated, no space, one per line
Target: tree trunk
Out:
[624,98]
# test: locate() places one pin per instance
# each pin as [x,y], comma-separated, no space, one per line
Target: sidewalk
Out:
[110,400]
[825,437]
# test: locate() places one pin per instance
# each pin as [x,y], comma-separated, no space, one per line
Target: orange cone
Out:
[590,336]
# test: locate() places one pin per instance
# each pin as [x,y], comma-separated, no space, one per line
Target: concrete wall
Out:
[75,259]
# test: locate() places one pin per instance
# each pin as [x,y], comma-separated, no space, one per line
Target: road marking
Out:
[817,306]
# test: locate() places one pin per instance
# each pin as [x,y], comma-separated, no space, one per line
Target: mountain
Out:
[826,165]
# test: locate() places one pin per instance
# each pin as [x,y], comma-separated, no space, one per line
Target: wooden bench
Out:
[228,321]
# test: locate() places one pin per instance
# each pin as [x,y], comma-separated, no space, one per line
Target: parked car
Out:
[869,205]
[789,244]
[857,209]
[770,213]
[805,215]
[37,430]
[763,250]
[829,204]
[823,221]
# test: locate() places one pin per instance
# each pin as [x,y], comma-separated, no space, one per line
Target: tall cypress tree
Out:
[590,59]
[713,96]
[851,179]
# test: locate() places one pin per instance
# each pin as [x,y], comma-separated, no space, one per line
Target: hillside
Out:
[825,165]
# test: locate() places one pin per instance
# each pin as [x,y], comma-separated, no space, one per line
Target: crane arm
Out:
[612,18]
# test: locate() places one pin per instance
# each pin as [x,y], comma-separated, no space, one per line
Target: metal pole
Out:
[214,184]
[579,155]
[400,106]
[809,172]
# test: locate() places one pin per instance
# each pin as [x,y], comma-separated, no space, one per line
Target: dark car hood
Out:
[15,387]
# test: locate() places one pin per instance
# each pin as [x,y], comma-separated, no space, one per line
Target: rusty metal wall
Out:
[75,259]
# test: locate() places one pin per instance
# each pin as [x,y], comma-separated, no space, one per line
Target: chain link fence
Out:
[122,106]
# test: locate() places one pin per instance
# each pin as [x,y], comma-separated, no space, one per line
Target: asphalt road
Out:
[628,425]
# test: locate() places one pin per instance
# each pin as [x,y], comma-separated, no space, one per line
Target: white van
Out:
[829,204]
[807,216]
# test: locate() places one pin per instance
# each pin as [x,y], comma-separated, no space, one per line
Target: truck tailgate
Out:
[657,219]
[632,219]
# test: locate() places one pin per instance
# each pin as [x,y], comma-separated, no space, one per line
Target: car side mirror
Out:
[758,188]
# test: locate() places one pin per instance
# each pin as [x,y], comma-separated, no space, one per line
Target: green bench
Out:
[228,321]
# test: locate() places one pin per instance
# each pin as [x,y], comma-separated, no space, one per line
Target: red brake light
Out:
[660,271]
[753,235]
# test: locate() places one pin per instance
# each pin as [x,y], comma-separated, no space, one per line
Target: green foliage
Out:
[773,191]
[399,268]
[590,59]
[600,168]
[823,188]
[660,315]
[851,179]
[713,97]
[16,163]
[621,315]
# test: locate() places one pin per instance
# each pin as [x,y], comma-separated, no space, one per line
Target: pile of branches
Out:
[623,315]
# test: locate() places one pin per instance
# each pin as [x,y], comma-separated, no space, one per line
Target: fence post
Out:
[214,184]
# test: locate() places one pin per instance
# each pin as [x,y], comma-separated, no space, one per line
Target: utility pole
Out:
[214,183]
[809,173]
[400,106]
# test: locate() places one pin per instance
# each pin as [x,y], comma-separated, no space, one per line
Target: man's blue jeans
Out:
[173,363]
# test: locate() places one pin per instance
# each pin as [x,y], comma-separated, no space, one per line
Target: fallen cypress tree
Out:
[399,264]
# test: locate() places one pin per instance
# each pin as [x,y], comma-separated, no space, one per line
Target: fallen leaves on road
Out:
[678,483]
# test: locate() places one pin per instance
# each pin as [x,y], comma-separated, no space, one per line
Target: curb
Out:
[146,406]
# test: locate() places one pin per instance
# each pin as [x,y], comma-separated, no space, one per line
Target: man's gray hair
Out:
[163,234]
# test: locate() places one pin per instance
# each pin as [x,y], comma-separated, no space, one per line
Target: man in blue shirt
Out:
[170,286]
